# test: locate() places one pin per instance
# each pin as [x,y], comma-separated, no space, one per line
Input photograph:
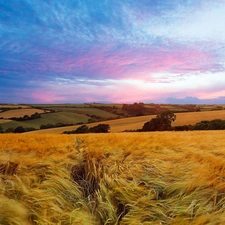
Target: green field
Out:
[49,118]
[89,111]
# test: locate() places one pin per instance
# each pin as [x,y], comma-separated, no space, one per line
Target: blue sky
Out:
[58,51]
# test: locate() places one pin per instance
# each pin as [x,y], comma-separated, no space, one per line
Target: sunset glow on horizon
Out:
[75,51]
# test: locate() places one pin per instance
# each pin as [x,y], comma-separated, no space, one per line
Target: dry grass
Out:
[194,117]
[13,106]
[4,121]
[126,178]
[134,123]
[19,112]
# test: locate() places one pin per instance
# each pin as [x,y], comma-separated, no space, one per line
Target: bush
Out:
[101,128]
[183,128]
[30,129]
[26,117]
[9,130]
[82,130]
[216,124]
[46,126]
[19,129]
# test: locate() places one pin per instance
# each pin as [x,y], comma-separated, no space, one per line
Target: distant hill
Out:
[120,116]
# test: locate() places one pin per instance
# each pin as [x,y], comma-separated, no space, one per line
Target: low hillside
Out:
[134,123]
[126,179]
[132,116]
[49,118]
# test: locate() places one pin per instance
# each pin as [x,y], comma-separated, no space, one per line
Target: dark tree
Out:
[136,109]
[35,116]
[166,118]
[152,125]
[19,129]
[162,122]
[26,117]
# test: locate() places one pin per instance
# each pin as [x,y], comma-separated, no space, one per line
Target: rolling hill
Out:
[132,123]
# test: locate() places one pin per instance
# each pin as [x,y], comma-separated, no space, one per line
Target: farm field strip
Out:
[192,118]
[19,112]
[14,106]
[132,123]
[90,111]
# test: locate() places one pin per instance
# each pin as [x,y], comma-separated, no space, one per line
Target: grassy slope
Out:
[128,179]
[90,111]
[49,118]
[63,115]
[132,123]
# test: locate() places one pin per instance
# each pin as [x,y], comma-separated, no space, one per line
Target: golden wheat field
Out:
[124,178]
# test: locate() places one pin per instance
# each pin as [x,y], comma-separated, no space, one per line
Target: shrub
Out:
[19,129]
[101,128]
[9,130]
[82,129]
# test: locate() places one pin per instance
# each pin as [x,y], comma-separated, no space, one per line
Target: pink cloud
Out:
[107,62]
[206,94]
[47,96]
[120,91]
[113,91]
[129,63]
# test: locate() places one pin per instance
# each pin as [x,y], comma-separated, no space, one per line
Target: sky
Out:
[76,51]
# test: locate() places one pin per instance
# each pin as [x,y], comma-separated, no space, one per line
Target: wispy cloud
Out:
[162,45]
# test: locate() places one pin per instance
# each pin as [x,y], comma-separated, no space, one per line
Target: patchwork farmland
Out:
[120,117]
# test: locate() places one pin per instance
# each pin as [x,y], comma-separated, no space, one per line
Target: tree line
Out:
[26,117]
[164,120]
[84,129]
